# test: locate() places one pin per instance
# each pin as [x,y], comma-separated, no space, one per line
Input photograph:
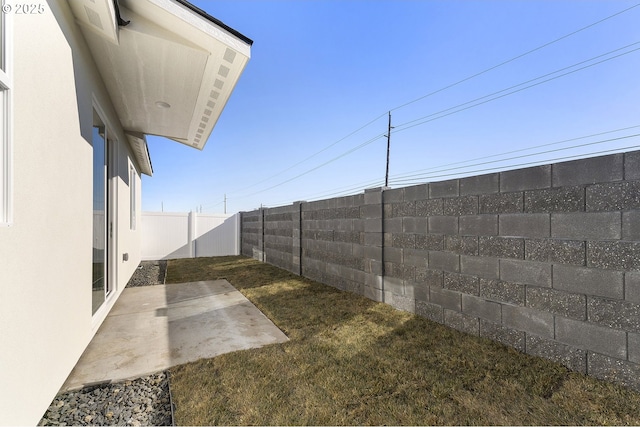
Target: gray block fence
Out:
[544,259]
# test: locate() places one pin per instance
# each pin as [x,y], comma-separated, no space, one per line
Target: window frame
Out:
[6,92]
[132,197]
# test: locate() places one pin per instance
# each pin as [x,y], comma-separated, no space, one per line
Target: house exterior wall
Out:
[544,259]
[46,317]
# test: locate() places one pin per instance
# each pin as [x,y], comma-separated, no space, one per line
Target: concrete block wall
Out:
[544,259]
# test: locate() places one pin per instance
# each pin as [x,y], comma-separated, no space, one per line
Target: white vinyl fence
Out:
[167,235]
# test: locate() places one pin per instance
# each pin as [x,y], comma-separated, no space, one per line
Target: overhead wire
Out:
[358,147]
[339,191]
[440,114]
[514,58]
[408,125]
[438,173]
[538,162]
[518,151]
[441,90]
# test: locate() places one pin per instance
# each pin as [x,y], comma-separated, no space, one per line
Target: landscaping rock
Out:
[102,405]
[149,273]
[140,402]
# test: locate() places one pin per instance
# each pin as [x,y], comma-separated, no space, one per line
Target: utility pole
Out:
[388,135]
[225,203]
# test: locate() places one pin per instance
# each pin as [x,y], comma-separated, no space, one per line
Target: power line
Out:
[404,126]
[443,89]
[422,177]
[515,58]
[517,151]
[413,177]
[315,154]
[339,191]
[538,162]
[364,144]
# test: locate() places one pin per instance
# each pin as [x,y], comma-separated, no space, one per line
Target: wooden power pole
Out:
[388,135]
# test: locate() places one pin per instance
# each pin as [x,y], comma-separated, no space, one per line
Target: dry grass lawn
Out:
[352,361]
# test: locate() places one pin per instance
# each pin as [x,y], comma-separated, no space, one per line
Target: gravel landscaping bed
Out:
[149,273]
[139,402]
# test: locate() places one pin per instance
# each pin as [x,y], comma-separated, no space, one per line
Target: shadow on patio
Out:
[153,328]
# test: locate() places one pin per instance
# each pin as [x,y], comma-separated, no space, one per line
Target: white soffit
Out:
[138,142]
[98,16]
[170,71]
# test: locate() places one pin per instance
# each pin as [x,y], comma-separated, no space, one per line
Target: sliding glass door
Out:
[100,220]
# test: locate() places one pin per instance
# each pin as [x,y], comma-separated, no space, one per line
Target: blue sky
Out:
[308,117]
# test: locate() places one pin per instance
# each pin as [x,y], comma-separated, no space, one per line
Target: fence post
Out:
[191,233]
[372,213]
[238,218]
[296,244]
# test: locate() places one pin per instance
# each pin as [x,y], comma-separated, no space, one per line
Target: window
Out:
[132,197]
[5,122]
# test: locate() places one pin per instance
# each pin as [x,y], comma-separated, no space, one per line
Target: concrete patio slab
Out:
[153,328]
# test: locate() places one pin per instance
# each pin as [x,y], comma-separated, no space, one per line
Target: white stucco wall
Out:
[46,254]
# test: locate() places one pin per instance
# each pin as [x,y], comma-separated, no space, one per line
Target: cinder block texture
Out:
[634,348]
[524,225]
[564,304]
[483,267]
[618,255]
[444,189]
[525,319]
[467,205]
[443,225]
[462,322]
[586,226]
[590,281]
[588,336]
[632,166]
[430,311]
[416,192]
[446,298]
[478,225]
[480,307]
[544,259]
[526,179]
[614,370]
[446,261]
[571,357]
[614,196]
[433,242]
[631,225]
[526,272]
[632,286]
[481,184]
[556,251]
[431,207]
[462,245]
[614,314]
[564,199]
[502,334]
[588,171]
[393,195]
[501,247]
[501,203]
[459,282]
[499,290]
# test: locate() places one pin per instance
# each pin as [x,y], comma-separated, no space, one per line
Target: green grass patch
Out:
[352,361]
